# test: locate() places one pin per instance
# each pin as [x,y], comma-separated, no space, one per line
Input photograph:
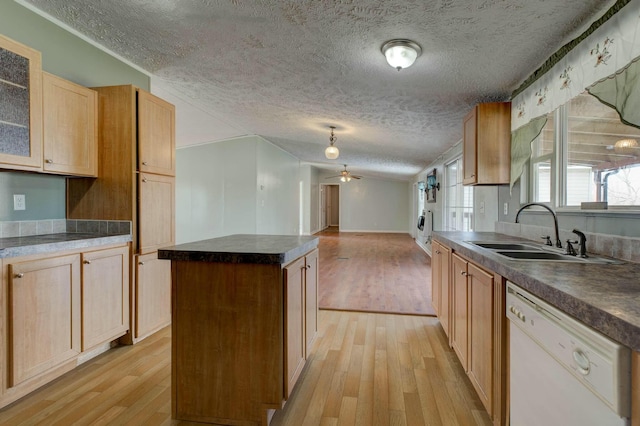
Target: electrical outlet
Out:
[19,202]
[506,209]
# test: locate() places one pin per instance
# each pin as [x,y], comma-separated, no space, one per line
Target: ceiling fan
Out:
[345,175]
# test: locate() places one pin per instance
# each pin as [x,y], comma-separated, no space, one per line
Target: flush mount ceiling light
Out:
[401,53]
[625,146]
[332,151]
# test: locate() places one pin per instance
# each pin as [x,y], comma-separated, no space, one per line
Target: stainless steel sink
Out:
[507,246]
[537,252]
[540,255]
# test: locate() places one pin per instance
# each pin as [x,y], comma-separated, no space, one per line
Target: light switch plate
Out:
[19,202]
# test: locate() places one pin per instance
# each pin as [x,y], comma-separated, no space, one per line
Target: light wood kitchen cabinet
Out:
[21,111]
[478,332]
[301,315]
[440,266]
[460,309]
[60,308]
[44,315]
[481,333]
[294,323]
[70,133]
[311,298]
[155,212]
[152,293]
[156,133]
[487,144]
[105,295]
[135,182]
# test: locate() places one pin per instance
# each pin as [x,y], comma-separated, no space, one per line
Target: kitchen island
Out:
[244,316]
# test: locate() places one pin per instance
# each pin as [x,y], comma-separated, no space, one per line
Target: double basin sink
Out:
[537,252]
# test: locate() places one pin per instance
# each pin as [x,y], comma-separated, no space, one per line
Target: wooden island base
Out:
[240,334]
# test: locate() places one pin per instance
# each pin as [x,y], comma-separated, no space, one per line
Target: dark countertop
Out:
[49,243]
[604,297]
[262,249]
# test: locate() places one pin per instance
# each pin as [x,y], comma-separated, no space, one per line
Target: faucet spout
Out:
[555,219]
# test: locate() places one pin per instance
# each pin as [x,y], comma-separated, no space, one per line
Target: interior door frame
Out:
[322,205]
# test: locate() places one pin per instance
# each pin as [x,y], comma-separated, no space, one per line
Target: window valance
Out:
[597,58]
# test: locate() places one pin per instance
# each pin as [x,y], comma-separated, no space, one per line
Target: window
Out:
[598,155]
[458,205]
[542,162]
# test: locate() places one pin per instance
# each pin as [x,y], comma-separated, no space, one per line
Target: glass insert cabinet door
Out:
[20,105]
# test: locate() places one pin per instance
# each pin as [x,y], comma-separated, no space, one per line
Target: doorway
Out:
[329,206]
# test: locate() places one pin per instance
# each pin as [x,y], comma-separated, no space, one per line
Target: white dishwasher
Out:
[563,373]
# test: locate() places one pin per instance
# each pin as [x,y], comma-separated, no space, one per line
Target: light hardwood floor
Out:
[374,272]
[366,369]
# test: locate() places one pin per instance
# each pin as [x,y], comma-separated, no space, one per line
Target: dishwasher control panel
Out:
[600,363]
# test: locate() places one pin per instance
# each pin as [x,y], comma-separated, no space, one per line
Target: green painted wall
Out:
[69,57]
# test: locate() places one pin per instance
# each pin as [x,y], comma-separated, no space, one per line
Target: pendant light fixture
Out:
[401,53]
[332,151]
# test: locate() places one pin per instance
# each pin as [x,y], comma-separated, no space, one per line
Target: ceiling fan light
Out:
[331,152]
[348,178]
[401,53]
[343,179]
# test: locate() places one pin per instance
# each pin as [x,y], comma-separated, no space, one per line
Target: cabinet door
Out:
[156,135]
[105,295]
[311,298]
[481,334]
[21,111]
[445,312]
[469,148]
[294,323]
[44,315]
[459,306]
[156,212]
[152,294]
[436,273]
[70,127]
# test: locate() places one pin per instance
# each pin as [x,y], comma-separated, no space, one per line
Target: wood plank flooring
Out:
[374,272]
[365,369]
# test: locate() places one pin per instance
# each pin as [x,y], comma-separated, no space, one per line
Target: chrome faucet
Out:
[555,219]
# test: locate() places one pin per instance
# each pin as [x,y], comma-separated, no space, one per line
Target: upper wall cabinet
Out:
[20,106]
[156,133]
[487,144]
[70,127]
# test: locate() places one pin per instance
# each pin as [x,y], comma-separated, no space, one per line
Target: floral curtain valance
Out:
[608,49]
[605,61]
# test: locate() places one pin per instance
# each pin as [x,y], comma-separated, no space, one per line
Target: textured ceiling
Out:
[286,70]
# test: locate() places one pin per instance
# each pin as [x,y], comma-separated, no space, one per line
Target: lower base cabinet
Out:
[152,294]
[242,332]
[478,330]
[57,308]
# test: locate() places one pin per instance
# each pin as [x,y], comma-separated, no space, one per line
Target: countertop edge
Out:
[55,246]
[608,323]
[279,257]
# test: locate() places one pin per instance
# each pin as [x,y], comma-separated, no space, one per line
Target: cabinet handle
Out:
[473,175]
[140,263]
[87,262]
[144,163]
[463,273]
[48,161]
[144,179]
[308,266]
[437,251]
[20,275]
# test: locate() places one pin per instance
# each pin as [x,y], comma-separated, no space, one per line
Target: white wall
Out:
[372,205]
[221,188]
[278,201]
[310,182]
